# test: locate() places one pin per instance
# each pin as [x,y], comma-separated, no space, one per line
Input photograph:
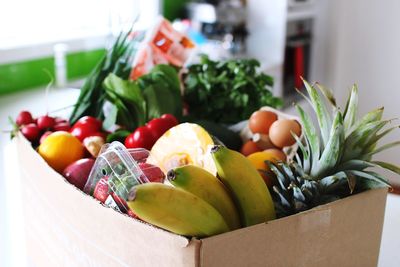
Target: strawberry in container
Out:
[162,45]
[116,171]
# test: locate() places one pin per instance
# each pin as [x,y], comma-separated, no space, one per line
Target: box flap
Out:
[65,225]
[346,232]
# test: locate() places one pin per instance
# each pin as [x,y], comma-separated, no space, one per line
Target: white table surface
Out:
[11,236]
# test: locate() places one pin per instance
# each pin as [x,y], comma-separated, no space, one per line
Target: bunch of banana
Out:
[206,186]
[248,189]
[175,210]
[199,204]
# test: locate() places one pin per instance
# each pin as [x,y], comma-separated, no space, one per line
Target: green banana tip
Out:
[171,175]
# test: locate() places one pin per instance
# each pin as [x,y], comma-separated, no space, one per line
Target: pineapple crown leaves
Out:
[340,146]
[296,191]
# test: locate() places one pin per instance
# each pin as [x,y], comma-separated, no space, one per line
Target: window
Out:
[27,23]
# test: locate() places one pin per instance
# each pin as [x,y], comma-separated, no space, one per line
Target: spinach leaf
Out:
[137,102]
[127,97]
[161,90]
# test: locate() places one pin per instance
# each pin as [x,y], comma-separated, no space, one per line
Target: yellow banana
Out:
[175,210]
[206,186]
[249,191]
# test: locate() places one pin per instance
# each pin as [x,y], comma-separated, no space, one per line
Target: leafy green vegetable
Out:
[227,92]
[117,60]
[161,89]
[128,99]
[136,102]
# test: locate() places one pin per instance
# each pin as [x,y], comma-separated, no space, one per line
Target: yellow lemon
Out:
[60,149]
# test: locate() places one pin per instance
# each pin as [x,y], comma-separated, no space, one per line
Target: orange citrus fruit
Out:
[258,160]
[60,149]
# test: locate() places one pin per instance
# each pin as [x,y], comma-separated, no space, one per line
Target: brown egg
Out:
[280,132]
[262,141]
[260,121]
[249,147]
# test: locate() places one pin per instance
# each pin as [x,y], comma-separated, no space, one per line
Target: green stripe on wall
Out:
[82,63]
[33,73]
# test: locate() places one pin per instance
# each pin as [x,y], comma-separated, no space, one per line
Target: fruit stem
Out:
[132,194]
[215,148]
[171,175]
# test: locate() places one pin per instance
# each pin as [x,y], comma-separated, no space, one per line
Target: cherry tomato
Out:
[45,122]
[24,117]
[158,127]
[82,131]
[141,137]
[86,126]
[171,119]
[88,120]
[31,132]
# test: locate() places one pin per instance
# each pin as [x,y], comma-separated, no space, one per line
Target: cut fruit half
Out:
[184,144]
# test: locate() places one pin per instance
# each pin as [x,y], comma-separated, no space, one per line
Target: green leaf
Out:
[91,99]
[372,116]
[227,91]
[374,139]
[15,129]
[111,119]
[357,141]
[350,112]
[118,135]
[161,88]
[128,99]
[331,154]
[384,147]
[354,164]
[371,176]
[311,137]
[327,93]
[321,111]
[388,166]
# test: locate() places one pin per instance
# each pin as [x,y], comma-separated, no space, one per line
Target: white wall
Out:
[364,40]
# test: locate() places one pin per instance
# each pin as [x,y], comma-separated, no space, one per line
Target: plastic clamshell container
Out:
[118,168]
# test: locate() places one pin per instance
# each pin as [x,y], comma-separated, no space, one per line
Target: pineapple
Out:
[334,158]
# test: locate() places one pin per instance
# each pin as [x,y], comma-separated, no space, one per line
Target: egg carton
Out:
[245,133]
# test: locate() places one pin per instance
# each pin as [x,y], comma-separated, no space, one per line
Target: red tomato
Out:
[92,121]
[158,127]
[141,137]
[24,117]
[171,119]
[86,126]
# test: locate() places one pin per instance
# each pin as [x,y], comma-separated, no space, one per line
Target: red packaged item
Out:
[162,45]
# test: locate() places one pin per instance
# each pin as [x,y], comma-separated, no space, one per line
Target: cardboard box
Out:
[65,227]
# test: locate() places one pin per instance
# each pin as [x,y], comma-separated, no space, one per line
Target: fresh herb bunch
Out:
[118,61]
[228,91]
